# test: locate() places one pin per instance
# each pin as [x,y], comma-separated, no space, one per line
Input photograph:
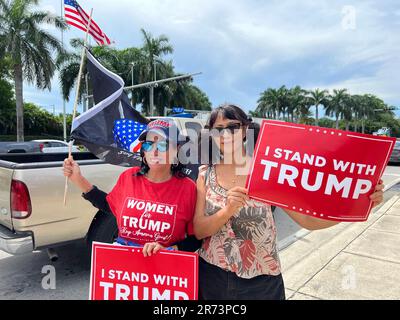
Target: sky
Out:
[245,47]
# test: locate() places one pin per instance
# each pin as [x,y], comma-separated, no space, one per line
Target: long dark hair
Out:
[231,112]
[178,170]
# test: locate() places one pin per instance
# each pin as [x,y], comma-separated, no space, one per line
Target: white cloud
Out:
[237,43]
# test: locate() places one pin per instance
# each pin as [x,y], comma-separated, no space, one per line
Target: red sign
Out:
[123,273]
[317,171]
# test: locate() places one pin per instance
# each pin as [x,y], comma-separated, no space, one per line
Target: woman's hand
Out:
[71,170]
[377,196]
[151,248]
[236,199]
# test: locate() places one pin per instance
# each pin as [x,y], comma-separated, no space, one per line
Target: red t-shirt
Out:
[153,212]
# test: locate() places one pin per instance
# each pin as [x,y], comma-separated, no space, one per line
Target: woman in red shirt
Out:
[153,204]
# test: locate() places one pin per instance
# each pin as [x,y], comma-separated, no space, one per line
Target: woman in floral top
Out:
[238,257]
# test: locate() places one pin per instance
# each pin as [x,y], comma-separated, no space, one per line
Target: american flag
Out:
[126,134]
[77,17]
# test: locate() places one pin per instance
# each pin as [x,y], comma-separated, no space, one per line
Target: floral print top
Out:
[246,244]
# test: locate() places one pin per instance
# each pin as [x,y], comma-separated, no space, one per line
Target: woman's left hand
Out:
[377,196]
[151,248]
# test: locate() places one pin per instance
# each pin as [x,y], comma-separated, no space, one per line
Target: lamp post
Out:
[152,87]
[132,66]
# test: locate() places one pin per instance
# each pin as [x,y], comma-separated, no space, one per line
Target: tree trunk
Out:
[362,126]
[347,125]
[19,101]
[337,122]
[316,115]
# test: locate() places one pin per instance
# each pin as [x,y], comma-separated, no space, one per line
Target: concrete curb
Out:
[391,184]
[387,205]
[286,242]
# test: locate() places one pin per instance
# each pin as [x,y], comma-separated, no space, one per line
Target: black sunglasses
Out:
[230,128]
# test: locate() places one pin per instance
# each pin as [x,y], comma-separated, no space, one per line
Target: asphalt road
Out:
[21,277]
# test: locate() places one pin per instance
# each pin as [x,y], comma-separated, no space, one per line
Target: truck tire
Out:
[103,229]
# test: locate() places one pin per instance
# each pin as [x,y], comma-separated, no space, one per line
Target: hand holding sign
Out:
[151,248]
[236,199]
[377,196]
[319,172]
[123,273]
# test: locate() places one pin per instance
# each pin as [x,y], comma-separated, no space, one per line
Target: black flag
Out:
[110,129]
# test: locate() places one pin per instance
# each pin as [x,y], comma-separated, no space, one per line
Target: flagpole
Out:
[64,108]
[77,97]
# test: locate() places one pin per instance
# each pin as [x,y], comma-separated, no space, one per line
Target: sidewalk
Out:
[348,261]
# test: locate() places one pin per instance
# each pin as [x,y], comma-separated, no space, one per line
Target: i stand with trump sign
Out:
[123,273]
[316,171]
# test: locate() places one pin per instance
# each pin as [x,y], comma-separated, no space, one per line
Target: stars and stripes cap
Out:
[167,128]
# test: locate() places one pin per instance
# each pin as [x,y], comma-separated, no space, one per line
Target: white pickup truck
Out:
[32,213]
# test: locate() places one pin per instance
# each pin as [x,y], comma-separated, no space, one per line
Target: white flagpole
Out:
[64,108]
[77,97]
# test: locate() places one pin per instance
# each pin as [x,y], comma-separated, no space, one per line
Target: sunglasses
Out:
[162,146]
[229,129]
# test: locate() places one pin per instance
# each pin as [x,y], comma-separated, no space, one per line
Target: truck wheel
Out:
[103,229]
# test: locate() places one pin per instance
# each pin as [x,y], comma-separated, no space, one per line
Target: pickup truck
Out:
[32,213]
[21,147]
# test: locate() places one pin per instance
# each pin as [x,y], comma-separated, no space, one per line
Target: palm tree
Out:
[298,104]
[154,49]
[68,64]
[117,61]
[369,105]
[336,104]
[317,97]
[265,108]
[29,46]
[348,111]
[270,103]
[283,101]
[262,109]
[132,65]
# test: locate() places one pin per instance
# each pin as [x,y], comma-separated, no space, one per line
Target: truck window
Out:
[56,145]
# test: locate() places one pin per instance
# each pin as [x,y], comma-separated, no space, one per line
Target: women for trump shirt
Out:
[148,211]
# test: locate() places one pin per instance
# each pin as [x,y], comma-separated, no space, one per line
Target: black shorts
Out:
[218,284]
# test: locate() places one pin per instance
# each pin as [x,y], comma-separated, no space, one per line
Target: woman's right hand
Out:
[71,170]
[236,199]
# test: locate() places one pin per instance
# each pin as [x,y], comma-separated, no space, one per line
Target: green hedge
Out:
[29,138]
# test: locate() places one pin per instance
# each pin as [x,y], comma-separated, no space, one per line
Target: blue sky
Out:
[244,47]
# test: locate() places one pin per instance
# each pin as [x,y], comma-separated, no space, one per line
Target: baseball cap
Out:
[165,127]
